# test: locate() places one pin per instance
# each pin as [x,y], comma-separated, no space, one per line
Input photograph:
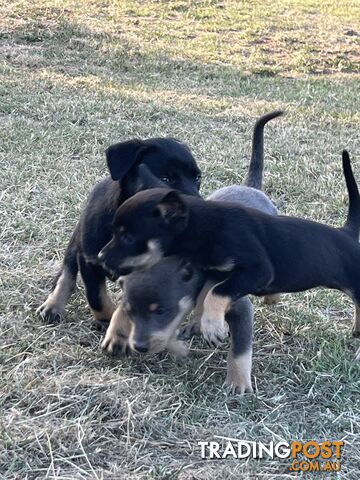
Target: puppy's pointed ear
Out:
[174,211]
[121,157]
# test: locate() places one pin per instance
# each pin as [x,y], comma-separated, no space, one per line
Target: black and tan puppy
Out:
[154,303]
[256,253]
[156,300]
[134,165]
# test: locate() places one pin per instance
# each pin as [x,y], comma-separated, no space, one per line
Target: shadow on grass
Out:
[75,51]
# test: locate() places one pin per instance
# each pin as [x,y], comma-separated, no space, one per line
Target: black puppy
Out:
[134,165]
[255,252]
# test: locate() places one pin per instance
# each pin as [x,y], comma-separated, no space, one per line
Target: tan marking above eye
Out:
[153,307]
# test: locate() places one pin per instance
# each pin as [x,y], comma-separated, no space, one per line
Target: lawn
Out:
[79,76]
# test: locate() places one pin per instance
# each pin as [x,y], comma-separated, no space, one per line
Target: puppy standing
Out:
[255,253]
[134,165]
[156,300]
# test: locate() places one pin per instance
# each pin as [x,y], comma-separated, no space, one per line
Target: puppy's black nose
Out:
[141,347]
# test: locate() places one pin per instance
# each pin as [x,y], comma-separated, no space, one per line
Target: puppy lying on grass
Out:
[253,252]
[156,300]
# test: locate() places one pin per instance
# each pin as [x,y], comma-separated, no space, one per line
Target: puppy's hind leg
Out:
[53,309]
[355,296]
[95,285]
[239,361]
[356,325]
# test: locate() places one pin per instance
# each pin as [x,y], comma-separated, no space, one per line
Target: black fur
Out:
[268,254]
[255,173]
[134,165]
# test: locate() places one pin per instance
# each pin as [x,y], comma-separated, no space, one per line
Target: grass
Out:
[78,76]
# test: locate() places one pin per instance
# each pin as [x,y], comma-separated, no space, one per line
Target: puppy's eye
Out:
[198,178]
[127,238]
[167,179]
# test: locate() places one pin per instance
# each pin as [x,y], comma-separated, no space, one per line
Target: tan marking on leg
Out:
[272,299]
[193,328]
[118,331]
[213,325]
[54,305]
[239,372]
[108,306]
[356,326]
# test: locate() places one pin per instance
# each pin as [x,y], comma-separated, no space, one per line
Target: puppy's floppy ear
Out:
[121,157]
[173,210]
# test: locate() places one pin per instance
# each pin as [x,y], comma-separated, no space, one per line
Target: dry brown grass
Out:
[78,76]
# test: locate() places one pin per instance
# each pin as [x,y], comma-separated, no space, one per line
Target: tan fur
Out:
[153,307]
[59,297]
[108,306]
[272,299]
[239,372]
[118,331]
[357,355]
[199,307]
[194,327]
[356,326]
[213,325]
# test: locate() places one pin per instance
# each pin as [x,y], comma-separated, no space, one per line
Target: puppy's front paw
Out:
[238,376]
[115,344]
[190,330]
[178,348]
[50,311]
[239,387]
[212,323]
[214,330]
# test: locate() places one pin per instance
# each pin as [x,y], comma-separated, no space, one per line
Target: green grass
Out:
[78,76]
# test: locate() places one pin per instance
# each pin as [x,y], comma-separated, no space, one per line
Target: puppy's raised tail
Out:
[256,167]
[352,224]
